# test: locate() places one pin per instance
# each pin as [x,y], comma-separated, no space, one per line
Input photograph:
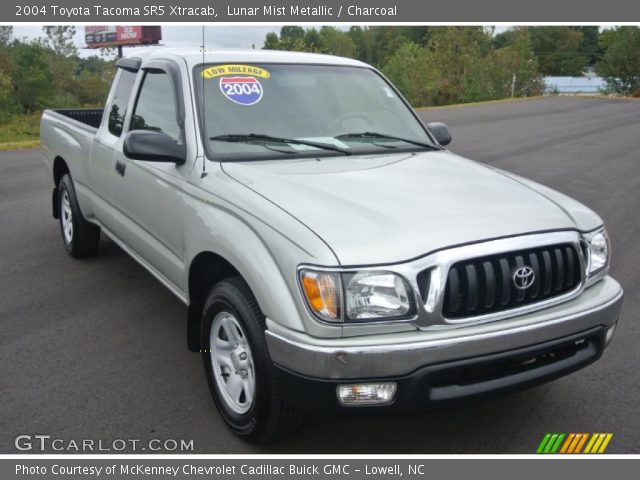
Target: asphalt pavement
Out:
[95,349]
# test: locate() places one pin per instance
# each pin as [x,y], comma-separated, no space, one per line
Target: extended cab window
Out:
[156,106]
[121,97]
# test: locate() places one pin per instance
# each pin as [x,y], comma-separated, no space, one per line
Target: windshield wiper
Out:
[385,136]
[265,139]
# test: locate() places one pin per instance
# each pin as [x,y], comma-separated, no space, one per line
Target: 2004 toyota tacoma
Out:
[332,254]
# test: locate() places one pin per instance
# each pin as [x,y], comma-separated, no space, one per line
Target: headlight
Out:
[371,295]
[366,295]
[599,251]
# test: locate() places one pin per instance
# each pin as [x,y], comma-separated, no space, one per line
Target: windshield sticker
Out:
[328,140]
[241,90]
[219,70]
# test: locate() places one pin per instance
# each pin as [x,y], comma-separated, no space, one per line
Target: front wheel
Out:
[81,238]
[238,367]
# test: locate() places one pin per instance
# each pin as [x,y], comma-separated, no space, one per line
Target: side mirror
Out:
[153,147]
[441,132]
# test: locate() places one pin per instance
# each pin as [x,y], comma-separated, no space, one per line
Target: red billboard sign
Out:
[98,36]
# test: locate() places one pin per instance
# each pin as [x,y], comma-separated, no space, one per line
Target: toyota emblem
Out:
[523,278]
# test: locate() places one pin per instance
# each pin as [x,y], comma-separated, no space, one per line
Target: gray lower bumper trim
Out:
[371,361]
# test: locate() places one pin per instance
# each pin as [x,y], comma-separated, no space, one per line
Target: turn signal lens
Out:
[322,291]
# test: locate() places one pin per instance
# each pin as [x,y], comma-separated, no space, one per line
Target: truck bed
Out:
[68,134]
[88,116]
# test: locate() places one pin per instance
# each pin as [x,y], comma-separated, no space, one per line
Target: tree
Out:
[32,82]
[6,32]
[5,88]
[336,42]
[271,41]
[432,65]
[357,36]
[558,50]
[60,39]
[291,37]
[458,57]
[381,43]
[313,41]
[515,68]
[590,47]
[620,65]
[61,54]
[409,70]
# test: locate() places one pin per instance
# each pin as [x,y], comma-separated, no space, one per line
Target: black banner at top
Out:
[318,11]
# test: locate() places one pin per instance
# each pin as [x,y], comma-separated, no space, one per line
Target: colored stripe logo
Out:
[574,443]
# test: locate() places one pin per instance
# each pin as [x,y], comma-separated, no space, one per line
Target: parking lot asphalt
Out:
[96,349]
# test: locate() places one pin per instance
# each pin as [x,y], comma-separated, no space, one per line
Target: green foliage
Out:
[5,34]
[272,42]
[20,131]
[60,39]
[558,50]
[410,71]
[429,65]
[515,68]
[428,76]
[335,42]
[47,73]
[590,46]
[468,78]
[620,65]
[5,95]
[32,78]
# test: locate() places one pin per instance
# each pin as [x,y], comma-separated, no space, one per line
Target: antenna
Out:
[204,115]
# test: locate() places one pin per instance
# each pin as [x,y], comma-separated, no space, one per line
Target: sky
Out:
[185,36]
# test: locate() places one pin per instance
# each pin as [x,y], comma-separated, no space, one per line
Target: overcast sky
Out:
[185,36]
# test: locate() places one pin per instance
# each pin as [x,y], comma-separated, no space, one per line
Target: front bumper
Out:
[427,360]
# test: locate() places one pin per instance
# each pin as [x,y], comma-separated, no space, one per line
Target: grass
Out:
[485,102]
[525,99]
[21,131]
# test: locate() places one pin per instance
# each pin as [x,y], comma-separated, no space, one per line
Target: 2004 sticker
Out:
[241,90]
[219,70]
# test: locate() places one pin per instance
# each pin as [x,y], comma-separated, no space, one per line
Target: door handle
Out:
[120,168]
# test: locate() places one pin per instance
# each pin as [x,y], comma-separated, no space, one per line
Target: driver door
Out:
[149,194]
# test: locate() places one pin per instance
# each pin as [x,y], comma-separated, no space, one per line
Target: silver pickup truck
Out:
[334,256]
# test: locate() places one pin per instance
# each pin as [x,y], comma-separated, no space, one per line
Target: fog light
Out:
[367,393]
[609,334]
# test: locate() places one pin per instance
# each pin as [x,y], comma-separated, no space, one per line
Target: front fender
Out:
[263,243]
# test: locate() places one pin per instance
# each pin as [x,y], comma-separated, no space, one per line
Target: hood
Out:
[391,208]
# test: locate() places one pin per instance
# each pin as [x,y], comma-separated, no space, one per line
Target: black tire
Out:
[269,417]
[83,239]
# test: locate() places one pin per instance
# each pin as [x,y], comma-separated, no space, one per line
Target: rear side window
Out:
[118,110]
[156,106]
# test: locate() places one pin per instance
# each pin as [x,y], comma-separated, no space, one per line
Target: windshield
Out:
[265,111]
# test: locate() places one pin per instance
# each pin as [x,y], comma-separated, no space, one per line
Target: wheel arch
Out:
[60,169]
[206,269]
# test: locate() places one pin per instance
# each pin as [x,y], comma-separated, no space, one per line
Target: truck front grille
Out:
[485,285]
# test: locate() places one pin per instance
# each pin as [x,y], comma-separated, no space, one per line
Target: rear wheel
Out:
[81,238]
[238,367]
